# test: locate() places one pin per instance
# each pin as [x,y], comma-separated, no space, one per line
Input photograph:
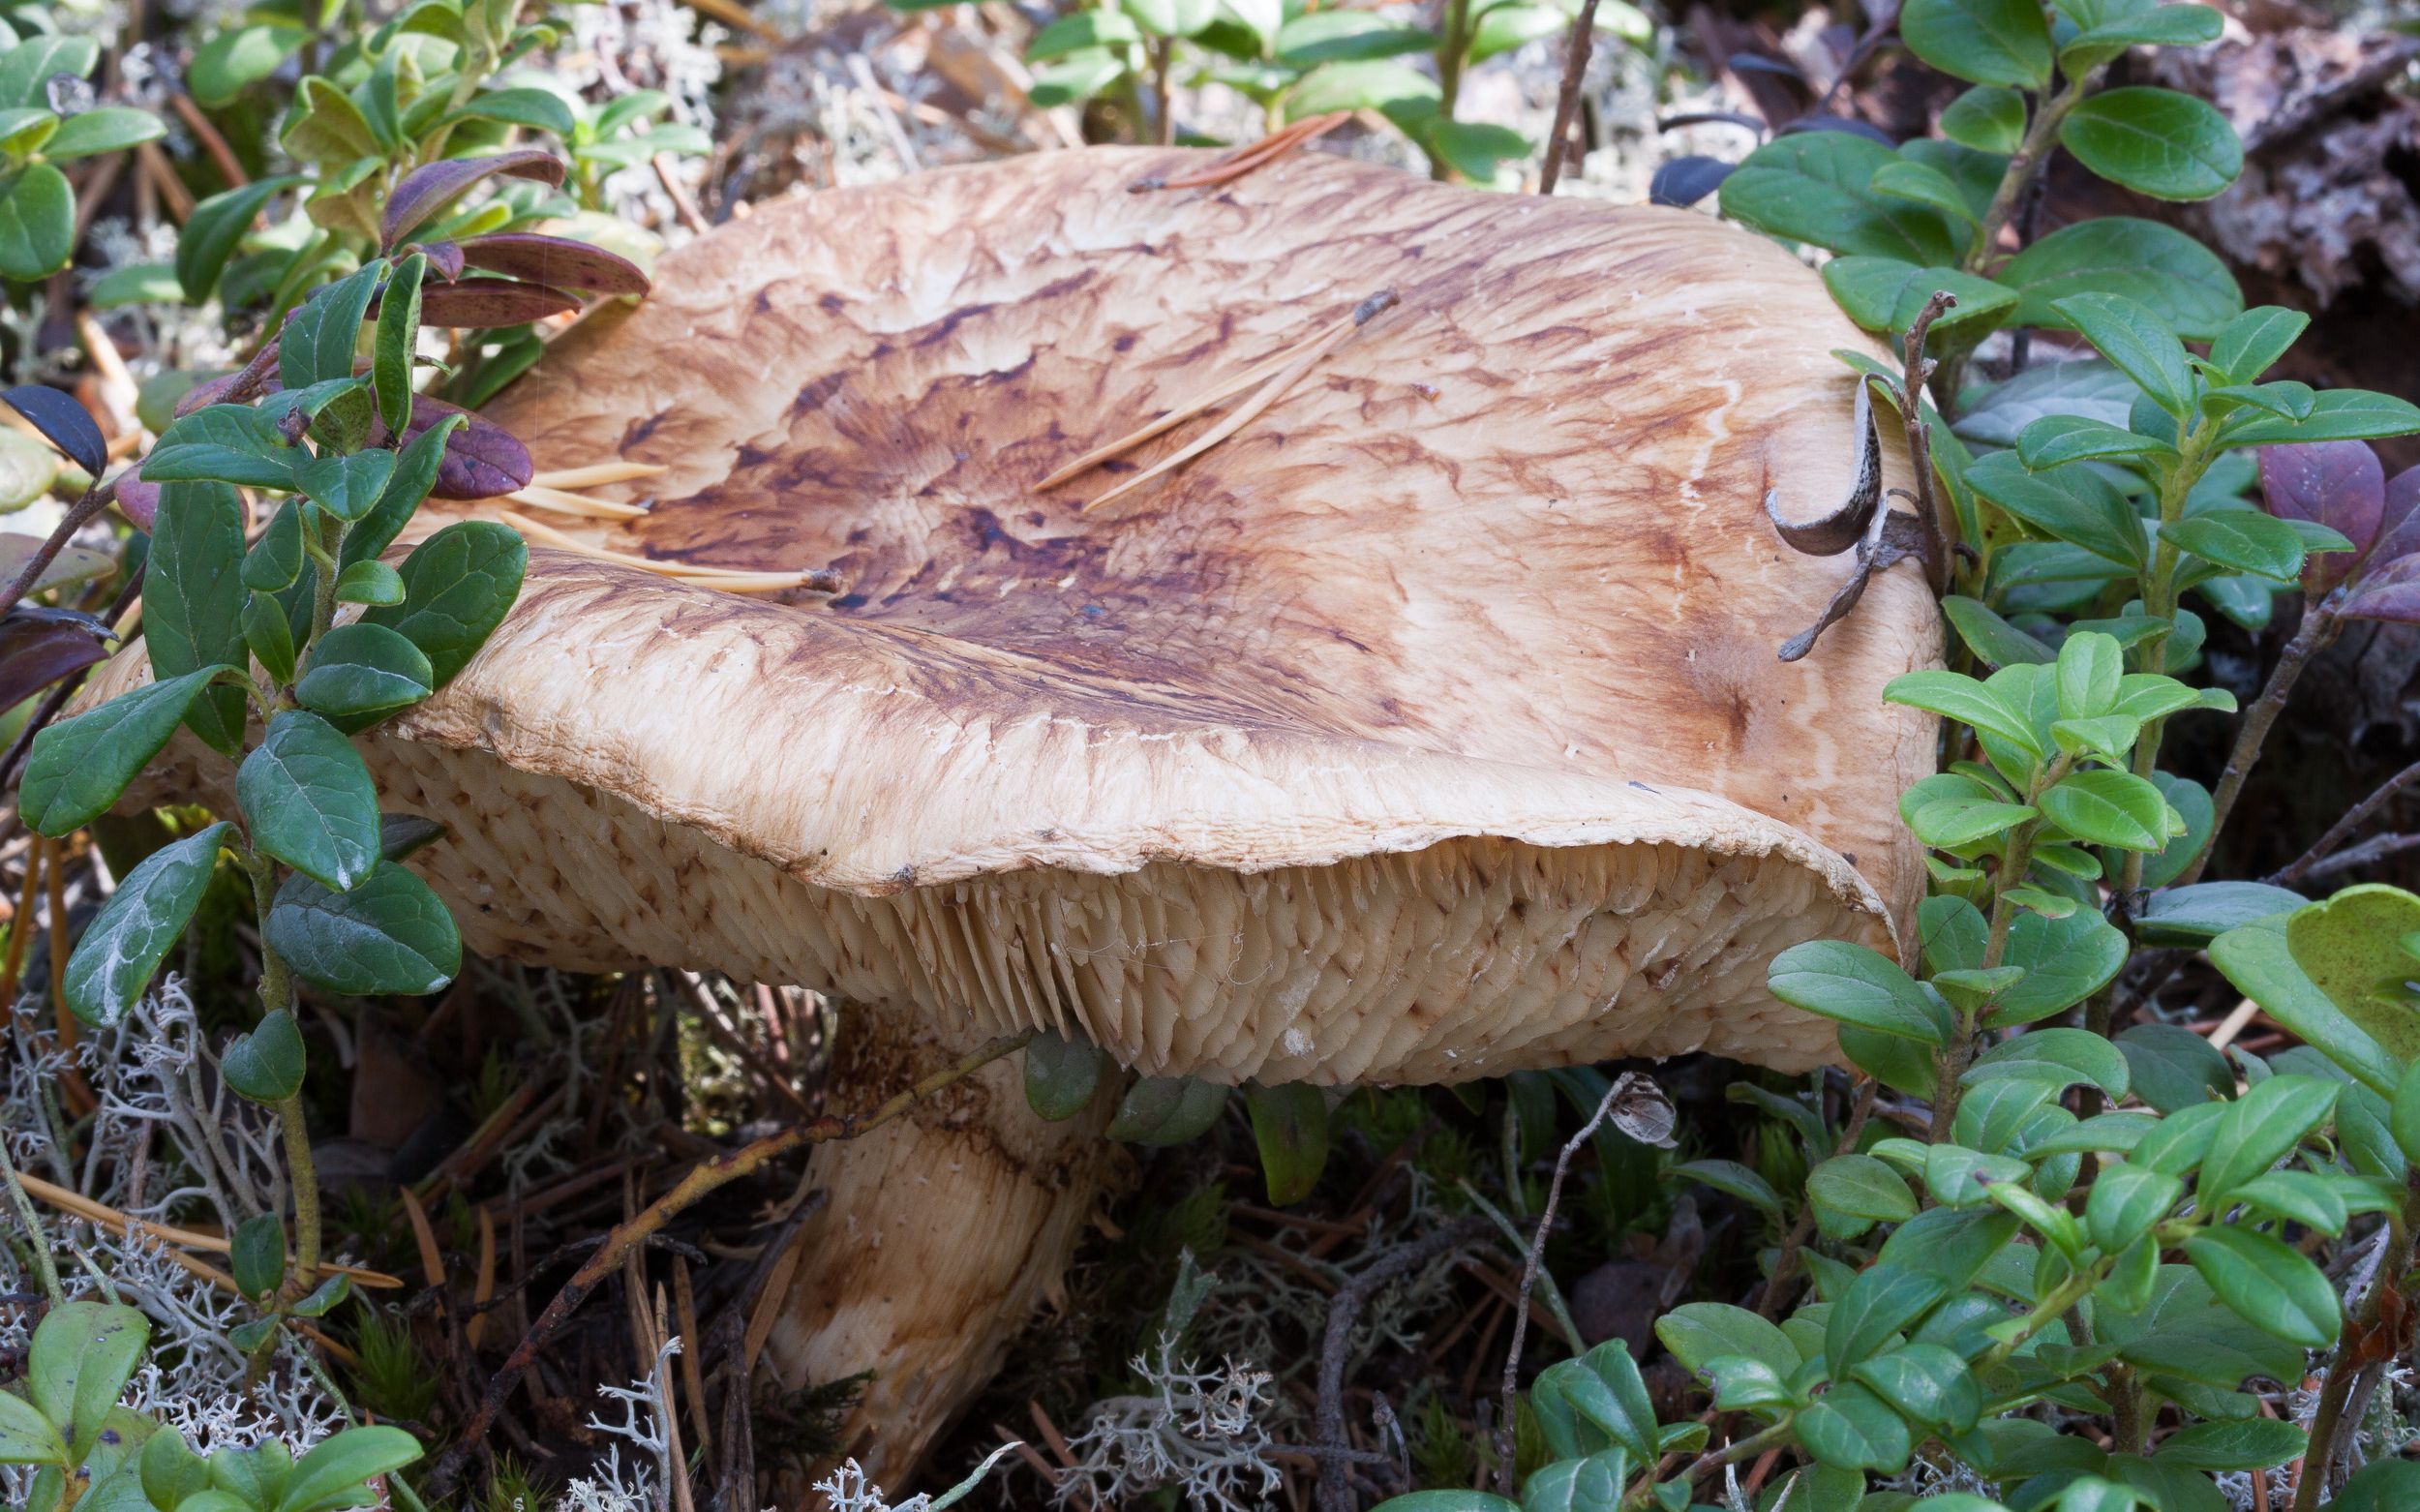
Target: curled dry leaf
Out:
[37,647]
[1641,1111]
[478,303]
[482,458]
[555,261]
[1849,521]
[430,187]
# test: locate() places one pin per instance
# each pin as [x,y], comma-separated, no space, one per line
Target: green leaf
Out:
[399,328]
[2055,439]
[458,586]
[326,126]
[227,443]
[2195,916]
[2058,1058]
[1954,696]
[258,1256]
[309,801]
[1332,36]
[2154,141]
[1992,638]
[1165,1110]
[266,1064]
[26,69]
[337,1470]
[215,227]
[2268,1284]
[318,344]
[2249,1443]
[2305,1198]
[1061,1076]
[269,635]
[82,1356]
[240,56]
[2242,540]
[2404,1119]
[2136,342]
[1884,1299]
[2252,342]
[1947,824]
[81,766]
[415,474]
[1699,1332]
[388,934]
[2337,414]
[1384,86]
[1984,41]
[2138,26]
[1852,984]
[23,130]
[1289,1122]
[169,1470]
[114,958]
[1887,294]
[2073,503]
[194,600]
[109,129]
[2104,807]
[2167,272]
[1505,27]
[370,582]
[1863,1188]
[2260,1128]
[1741,1383]
[1732,1179]
[1987,119]
[275,559]
[1927,1384]
[37,223]
[1817,187]
[2125,1201]
[360,673]
[2089,668]
[538,110]
[345,486]
[1850,1428]
[27,1437]
[2173,1068]
[1604,1389]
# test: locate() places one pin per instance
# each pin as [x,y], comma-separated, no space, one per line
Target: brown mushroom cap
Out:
[1430,727]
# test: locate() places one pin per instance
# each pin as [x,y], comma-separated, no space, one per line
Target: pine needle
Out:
[598,474]
[562,502]
[728,580]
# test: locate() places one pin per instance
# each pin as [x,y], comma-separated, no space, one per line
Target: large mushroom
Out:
[1428,726]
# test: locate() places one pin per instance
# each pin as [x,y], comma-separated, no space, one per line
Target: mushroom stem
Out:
[940,1236]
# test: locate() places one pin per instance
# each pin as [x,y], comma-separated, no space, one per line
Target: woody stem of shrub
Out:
[2318,629]
[1777,1437]
[277,996]
[705,1178]
[1567,96]
[2025,164]
[2358,1351]
[2344,828]
[79,515]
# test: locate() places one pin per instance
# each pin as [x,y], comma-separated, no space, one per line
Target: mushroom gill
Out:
[1427,727]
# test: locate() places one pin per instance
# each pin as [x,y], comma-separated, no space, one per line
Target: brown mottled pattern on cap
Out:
[1480,618]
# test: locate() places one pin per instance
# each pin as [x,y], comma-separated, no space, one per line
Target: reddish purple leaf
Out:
[482,458]
[136,499]
[37,647]
[2338,484]
[482,302]
[2391,592]
[555,260]
[444,258]
[431,186]
[2399,523]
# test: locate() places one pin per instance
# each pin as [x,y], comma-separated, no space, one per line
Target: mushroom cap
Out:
[1429,727]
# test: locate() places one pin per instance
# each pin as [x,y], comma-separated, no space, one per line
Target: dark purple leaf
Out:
[2391,592]
[1758,63]
[555,260]
[1836,122]
[431,186]
[136,499]
[482,458]
[1673,123]
[2338,484]
[1684,181]
[477,303]
[444,258]
[63,423]
[2399,522]
[37,647]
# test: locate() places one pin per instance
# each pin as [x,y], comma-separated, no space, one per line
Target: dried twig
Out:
[1244,414]
[1576,49]
[1343,1310]
[1640,1109]
[2344,828]
[705,1178]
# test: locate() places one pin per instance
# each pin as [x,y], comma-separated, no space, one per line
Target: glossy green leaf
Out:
[83,1354]
[309,801]
[360,673]
[1852,984]
[2137,342]
[114,958]
[2059,1058]
[1984,41]
[1061,1076]
[2252,342]
[336,1472]
[1289,1122]
[458,586]
[266,1064]
[194,600]
[79,765]
[1165,1110]
[2268,1284]
[257,1257]
[1817,187]
[399,330]
[37,223]
[388,934]
[2155,141]
[2158,267]
[2105,808]
[1986,119]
